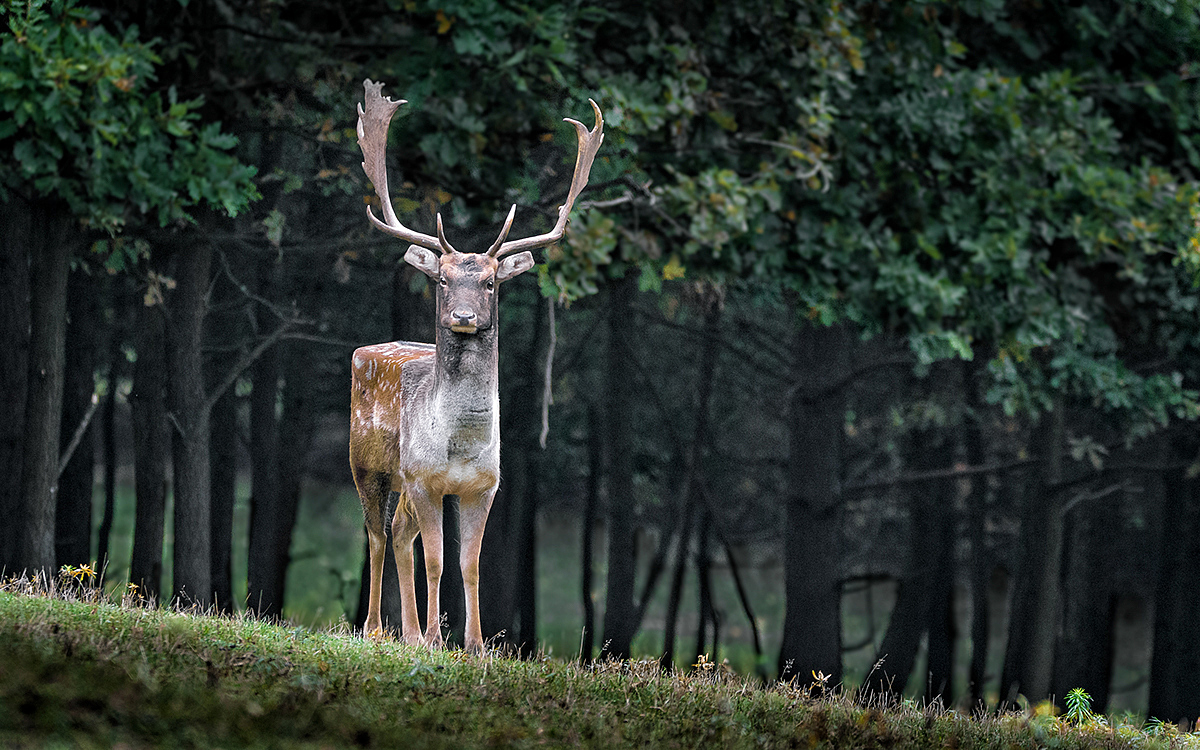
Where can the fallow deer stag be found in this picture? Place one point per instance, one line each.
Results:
(425, 419)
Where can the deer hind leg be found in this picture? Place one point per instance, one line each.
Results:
(472, 519)
(372, 491)
(404, 530)
(429, 514)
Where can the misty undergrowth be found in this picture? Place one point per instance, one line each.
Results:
(79, 667)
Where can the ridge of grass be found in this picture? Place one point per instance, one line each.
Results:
(79, 670)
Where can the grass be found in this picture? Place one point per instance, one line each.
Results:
(79, 670)
(327, 549)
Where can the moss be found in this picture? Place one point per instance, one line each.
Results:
(87, 672)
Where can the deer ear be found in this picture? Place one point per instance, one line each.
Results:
(514, 265)
(423, 260)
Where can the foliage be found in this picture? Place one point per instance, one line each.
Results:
(84, 124)
(89, 670)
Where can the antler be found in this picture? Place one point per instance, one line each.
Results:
(373, 125)
(589, 144)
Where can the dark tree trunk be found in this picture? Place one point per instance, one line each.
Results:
(151, 443)
(1084, 656)
(676, 591)
(619, 608)
(223, 453)
(497, 609)
(1035, 615)
(921, 599)
(812, 625)
(1175, 664)
(980, 565)
(108, 437)
(526, 408)
(707, 612)
(15, 239)
(190, 417)
(73, 516)
(118, 330)
(225, 326)
(264, 592)
(691, 502)
(591, 501)
(296, 426)
(941, 625)
(49, 267)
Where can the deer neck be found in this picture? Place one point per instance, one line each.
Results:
(467, 389)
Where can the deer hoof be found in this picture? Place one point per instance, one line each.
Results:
(414, 640)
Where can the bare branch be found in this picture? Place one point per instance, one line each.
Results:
(247, 360)
(547, 393)
(65, 458)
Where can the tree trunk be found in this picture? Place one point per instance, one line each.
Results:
(591, 502)
(667, 660)
(919, 600)
(707, 612)
(49, 267)
(226, 336)
(296, 426)
(812, 625)
(941, 625)
(1035, 618)
(264, 592)
(73, 516)
(151, 444)
(619, 608)
(15, 245)
(691, 501)
(117, 332)
(190, 416)
(1175, 663)
(108, 435)
(1084, 657)
(980, 565)
(223, 454)
(520, 434)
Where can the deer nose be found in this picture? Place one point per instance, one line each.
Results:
(463, 317)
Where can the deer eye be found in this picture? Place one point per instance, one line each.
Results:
(442, 281)
(491, 284)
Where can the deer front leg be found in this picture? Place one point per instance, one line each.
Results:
(472, 519)
(429, 514)
(404, 530)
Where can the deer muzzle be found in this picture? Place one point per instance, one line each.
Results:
(463, 321)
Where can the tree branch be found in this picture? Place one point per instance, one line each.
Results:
(77, 438)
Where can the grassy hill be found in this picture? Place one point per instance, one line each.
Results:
(79, 671)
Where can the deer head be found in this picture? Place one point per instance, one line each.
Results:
(466, 282)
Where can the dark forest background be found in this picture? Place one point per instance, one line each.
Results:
(874, 335)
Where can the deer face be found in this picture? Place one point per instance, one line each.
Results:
(466, 284)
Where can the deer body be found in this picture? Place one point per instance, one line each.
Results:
(425, 419)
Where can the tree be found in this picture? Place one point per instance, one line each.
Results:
(89, 144)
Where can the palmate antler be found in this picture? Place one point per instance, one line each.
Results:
(373, 122)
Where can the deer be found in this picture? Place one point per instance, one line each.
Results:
(425, 418)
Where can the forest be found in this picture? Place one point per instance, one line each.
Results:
(870, 355)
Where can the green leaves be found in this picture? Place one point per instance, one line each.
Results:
(84, 126)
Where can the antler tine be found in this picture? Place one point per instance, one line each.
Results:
(445, 244)
(373, 125)
(512, 212)
(589, 144)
